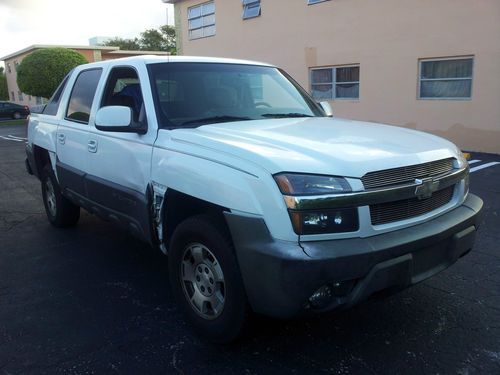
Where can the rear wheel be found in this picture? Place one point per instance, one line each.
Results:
(16, 115)
(60, 211)
(205, 279)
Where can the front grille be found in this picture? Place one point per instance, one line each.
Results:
(406, 174)
(384, 213)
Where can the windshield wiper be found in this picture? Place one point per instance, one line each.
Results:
(285, 115)
(215, 119)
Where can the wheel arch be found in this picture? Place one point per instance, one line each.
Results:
(177, 207)
(42, 158)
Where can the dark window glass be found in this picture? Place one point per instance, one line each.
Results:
(321, 76)
(335, 83)
(348, 74)
(123, 89)
(447, 69)
(446, 79)
(195, 94)
(251, 9)
(82, 95)
(53, 104)
(446, 89)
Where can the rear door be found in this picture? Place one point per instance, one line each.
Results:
(73, 134)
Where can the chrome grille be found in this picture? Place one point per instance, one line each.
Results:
(406, 174)
(384, 213)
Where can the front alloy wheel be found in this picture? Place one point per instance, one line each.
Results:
(203, 281)
(205, 278)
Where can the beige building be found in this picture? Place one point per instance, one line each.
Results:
(431, 65)
(91, 53)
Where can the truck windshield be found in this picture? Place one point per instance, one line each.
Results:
(195, 94)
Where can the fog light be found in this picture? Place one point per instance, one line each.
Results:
(342, 288)
(321, 298)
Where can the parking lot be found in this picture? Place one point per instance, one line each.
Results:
(92, 299)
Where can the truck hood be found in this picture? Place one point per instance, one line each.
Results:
(317, 145)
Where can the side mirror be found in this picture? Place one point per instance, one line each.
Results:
(327, 108)
(117, 119)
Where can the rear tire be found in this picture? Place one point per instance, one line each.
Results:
(16, 116)
(205, 279)
(60, 211)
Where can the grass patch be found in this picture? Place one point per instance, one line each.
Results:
(14, 122)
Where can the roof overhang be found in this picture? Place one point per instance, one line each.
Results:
(41, 46)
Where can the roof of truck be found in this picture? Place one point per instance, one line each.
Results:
(151, 59)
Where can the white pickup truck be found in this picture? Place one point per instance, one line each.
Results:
(262, 201)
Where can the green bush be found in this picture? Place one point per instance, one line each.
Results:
(40, 73)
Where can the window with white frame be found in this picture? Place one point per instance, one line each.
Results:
(9, 68)
(251, 9)
(446, 78)
(201, 20)
(340, 82)
(20, 96)
(12, 96)
(310, 2)
(16, 65)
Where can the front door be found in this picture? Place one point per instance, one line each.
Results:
(119, 166)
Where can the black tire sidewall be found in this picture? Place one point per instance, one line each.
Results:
(67, 214)
(228, 325)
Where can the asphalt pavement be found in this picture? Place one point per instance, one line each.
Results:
(93, 300)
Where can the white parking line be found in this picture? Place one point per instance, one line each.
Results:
(11, 139)
(479, 167)
(474, 161)
(15, 137)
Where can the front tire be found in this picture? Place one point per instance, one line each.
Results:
(60, 211)
(205, 279)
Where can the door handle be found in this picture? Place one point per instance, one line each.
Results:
(61, 138)
(92, 146)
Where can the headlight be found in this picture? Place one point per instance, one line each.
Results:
(306, 184)
(318, 221)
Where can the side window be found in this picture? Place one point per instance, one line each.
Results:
(82, 96)
(124, 89)
(53, 104)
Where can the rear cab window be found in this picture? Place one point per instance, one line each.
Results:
(82, 96)
(53, 105)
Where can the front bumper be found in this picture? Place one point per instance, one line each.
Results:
(281, 276)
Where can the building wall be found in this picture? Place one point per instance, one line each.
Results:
(386, 38)
(12, 83)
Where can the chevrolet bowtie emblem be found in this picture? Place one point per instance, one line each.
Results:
(425, 187)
